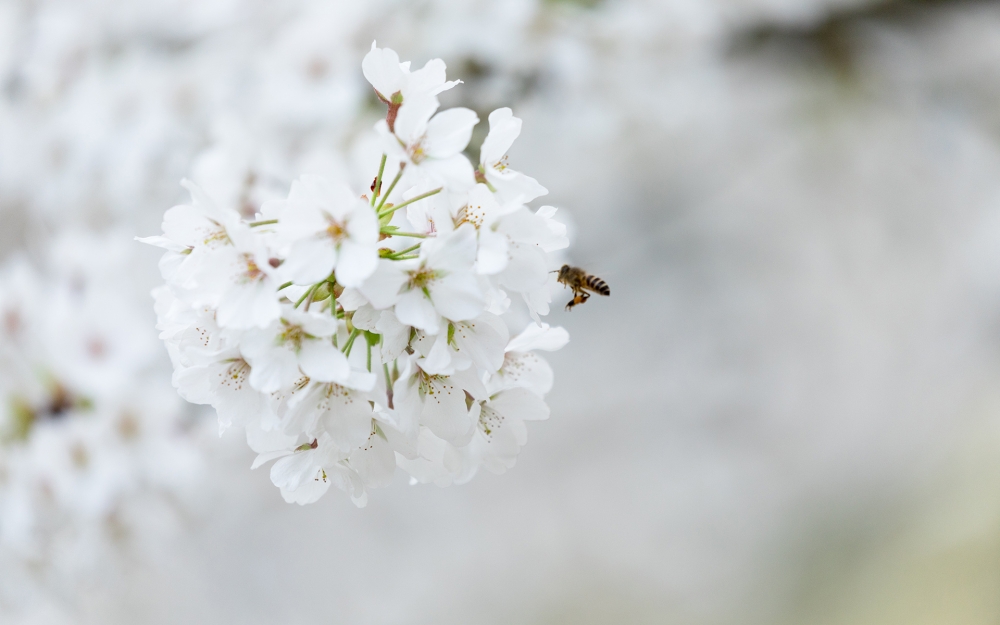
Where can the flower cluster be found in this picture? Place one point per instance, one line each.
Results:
(353, 331)
(88, 426)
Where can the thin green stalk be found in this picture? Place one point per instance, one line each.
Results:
(350, 341)
(285, 285)
(308, 292)
(392, 186)
(402, 252)
(393, 209)
(369, 356)
(415, 235)
(263, 222)
(378, 180)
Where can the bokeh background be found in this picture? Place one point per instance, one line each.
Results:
(788, 411)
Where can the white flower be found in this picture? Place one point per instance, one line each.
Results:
(400, 354)
(239, 281)
(375, 461)
(190, 231)
(510, 185)
(479, 342)
(431, 147)
(484, 212)
(306, 472)
(439, 283)
(344, 414)
(395, 336)
(299, 343)
(395, 83)
(500, 431)
(522, 368)
(324, 226)
(443, 403)
(223, 382)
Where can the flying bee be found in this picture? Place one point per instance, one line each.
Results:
(581, 282)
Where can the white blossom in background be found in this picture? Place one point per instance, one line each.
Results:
(350, 337)
(88, 426)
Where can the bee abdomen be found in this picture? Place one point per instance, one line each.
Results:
(598, 285)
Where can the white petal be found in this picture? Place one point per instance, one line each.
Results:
(513, 186)
(362, 224)
(483, 340)
(253, 305)
(449, 132)
(520, 403)
(414, 309)
(351, 299)
(381, 68)
(348, 420)
(308, 492)
(536, 336)
(375, 462)
(454, 172)
(504, 129)
(446, 414)
(291, 471)
(413, 118)
(452, 252)
(323, 362)
(492, 255)
(383, 286)
(457, 296)
(309, 261)
(430, 79)
(438, 360)
(395, 335)
(526, 268)
(357, 262)
(164, 242)
(365, 317)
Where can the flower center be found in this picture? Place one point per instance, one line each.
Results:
(422, 278)
(251, 272)
(336, 230)
(428, 386)
(217, 236)
(235, 375)
(417, 154)
(292, 335)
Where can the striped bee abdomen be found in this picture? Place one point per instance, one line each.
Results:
(597, 285)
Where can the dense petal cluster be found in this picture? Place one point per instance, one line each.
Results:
(88, 425)
(354, 331)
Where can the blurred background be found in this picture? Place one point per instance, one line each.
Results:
(788, 411)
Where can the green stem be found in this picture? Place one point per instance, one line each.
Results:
(415, 235)
(393, 209)
(350, 341)
(392, 186)
(394, 255)
(264, 222)
(285, 285)
(378, 180)
(308, 292)
(369, 356)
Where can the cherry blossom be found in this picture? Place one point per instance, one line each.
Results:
(351, 338)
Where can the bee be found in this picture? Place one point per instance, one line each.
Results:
(581, 282)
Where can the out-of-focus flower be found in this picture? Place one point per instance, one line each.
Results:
(87, 423)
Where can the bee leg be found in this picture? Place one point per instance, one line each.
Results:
(579, 298)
